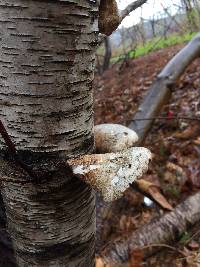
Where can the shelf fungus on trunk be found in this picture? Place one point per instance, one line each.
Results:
(113, 138)
(112, 173)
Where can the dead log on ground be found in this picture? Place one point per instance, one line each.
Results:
(164, 230)
(161, 89)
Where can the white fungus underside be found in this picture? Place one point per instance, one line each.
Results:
(112, 173)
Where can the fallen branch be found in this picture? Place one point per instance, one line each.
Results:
(164, 230)
(160, 91)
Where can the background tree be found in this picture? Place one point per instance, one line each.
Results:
(188, 6)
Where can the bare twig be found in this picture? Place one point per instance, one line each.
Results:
(13, 151)
(167, 118)
(7, 139)
(131, 7)
(164, 246)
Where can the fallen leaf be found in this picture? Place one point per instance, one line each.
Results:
(191, 132)
(136, 258)
(175, 174)
(153, 178)
(155, 193)
(197, 141)
(159, 198)
(99, 263)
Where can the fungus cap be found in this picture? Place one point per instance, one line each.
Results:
(113, 138)
(112, 173)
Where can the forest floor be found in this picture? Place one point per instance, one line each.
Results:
(173, 140)
(175, 144)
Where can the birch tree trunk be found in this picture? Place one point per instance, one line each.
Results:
(47, 54)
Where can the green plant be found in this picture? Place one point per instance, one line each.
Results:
(155, 44)
(184, 238)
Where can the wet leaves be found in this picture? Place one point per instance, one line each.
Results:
(136, 258)
(189, 133)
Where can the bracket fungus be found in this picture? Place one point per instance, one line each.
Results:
(113, 138)
(112, 173)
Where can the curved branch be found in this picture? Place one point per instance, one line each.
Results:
(130, 8)
(161, 89)
(177, 65)
(110, 17)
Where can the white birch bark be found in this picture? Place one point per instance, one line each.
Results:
(47, 54)
(46, 66)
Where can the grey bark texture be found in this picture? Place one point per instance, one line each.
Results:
(47, 54)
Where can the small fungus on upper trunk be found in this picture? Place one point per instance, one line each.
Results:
(109, 18)
(112, 173)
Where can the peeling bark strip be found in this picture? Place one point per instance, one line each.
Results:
(47, 61)
(47, 54)
(162, 231)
